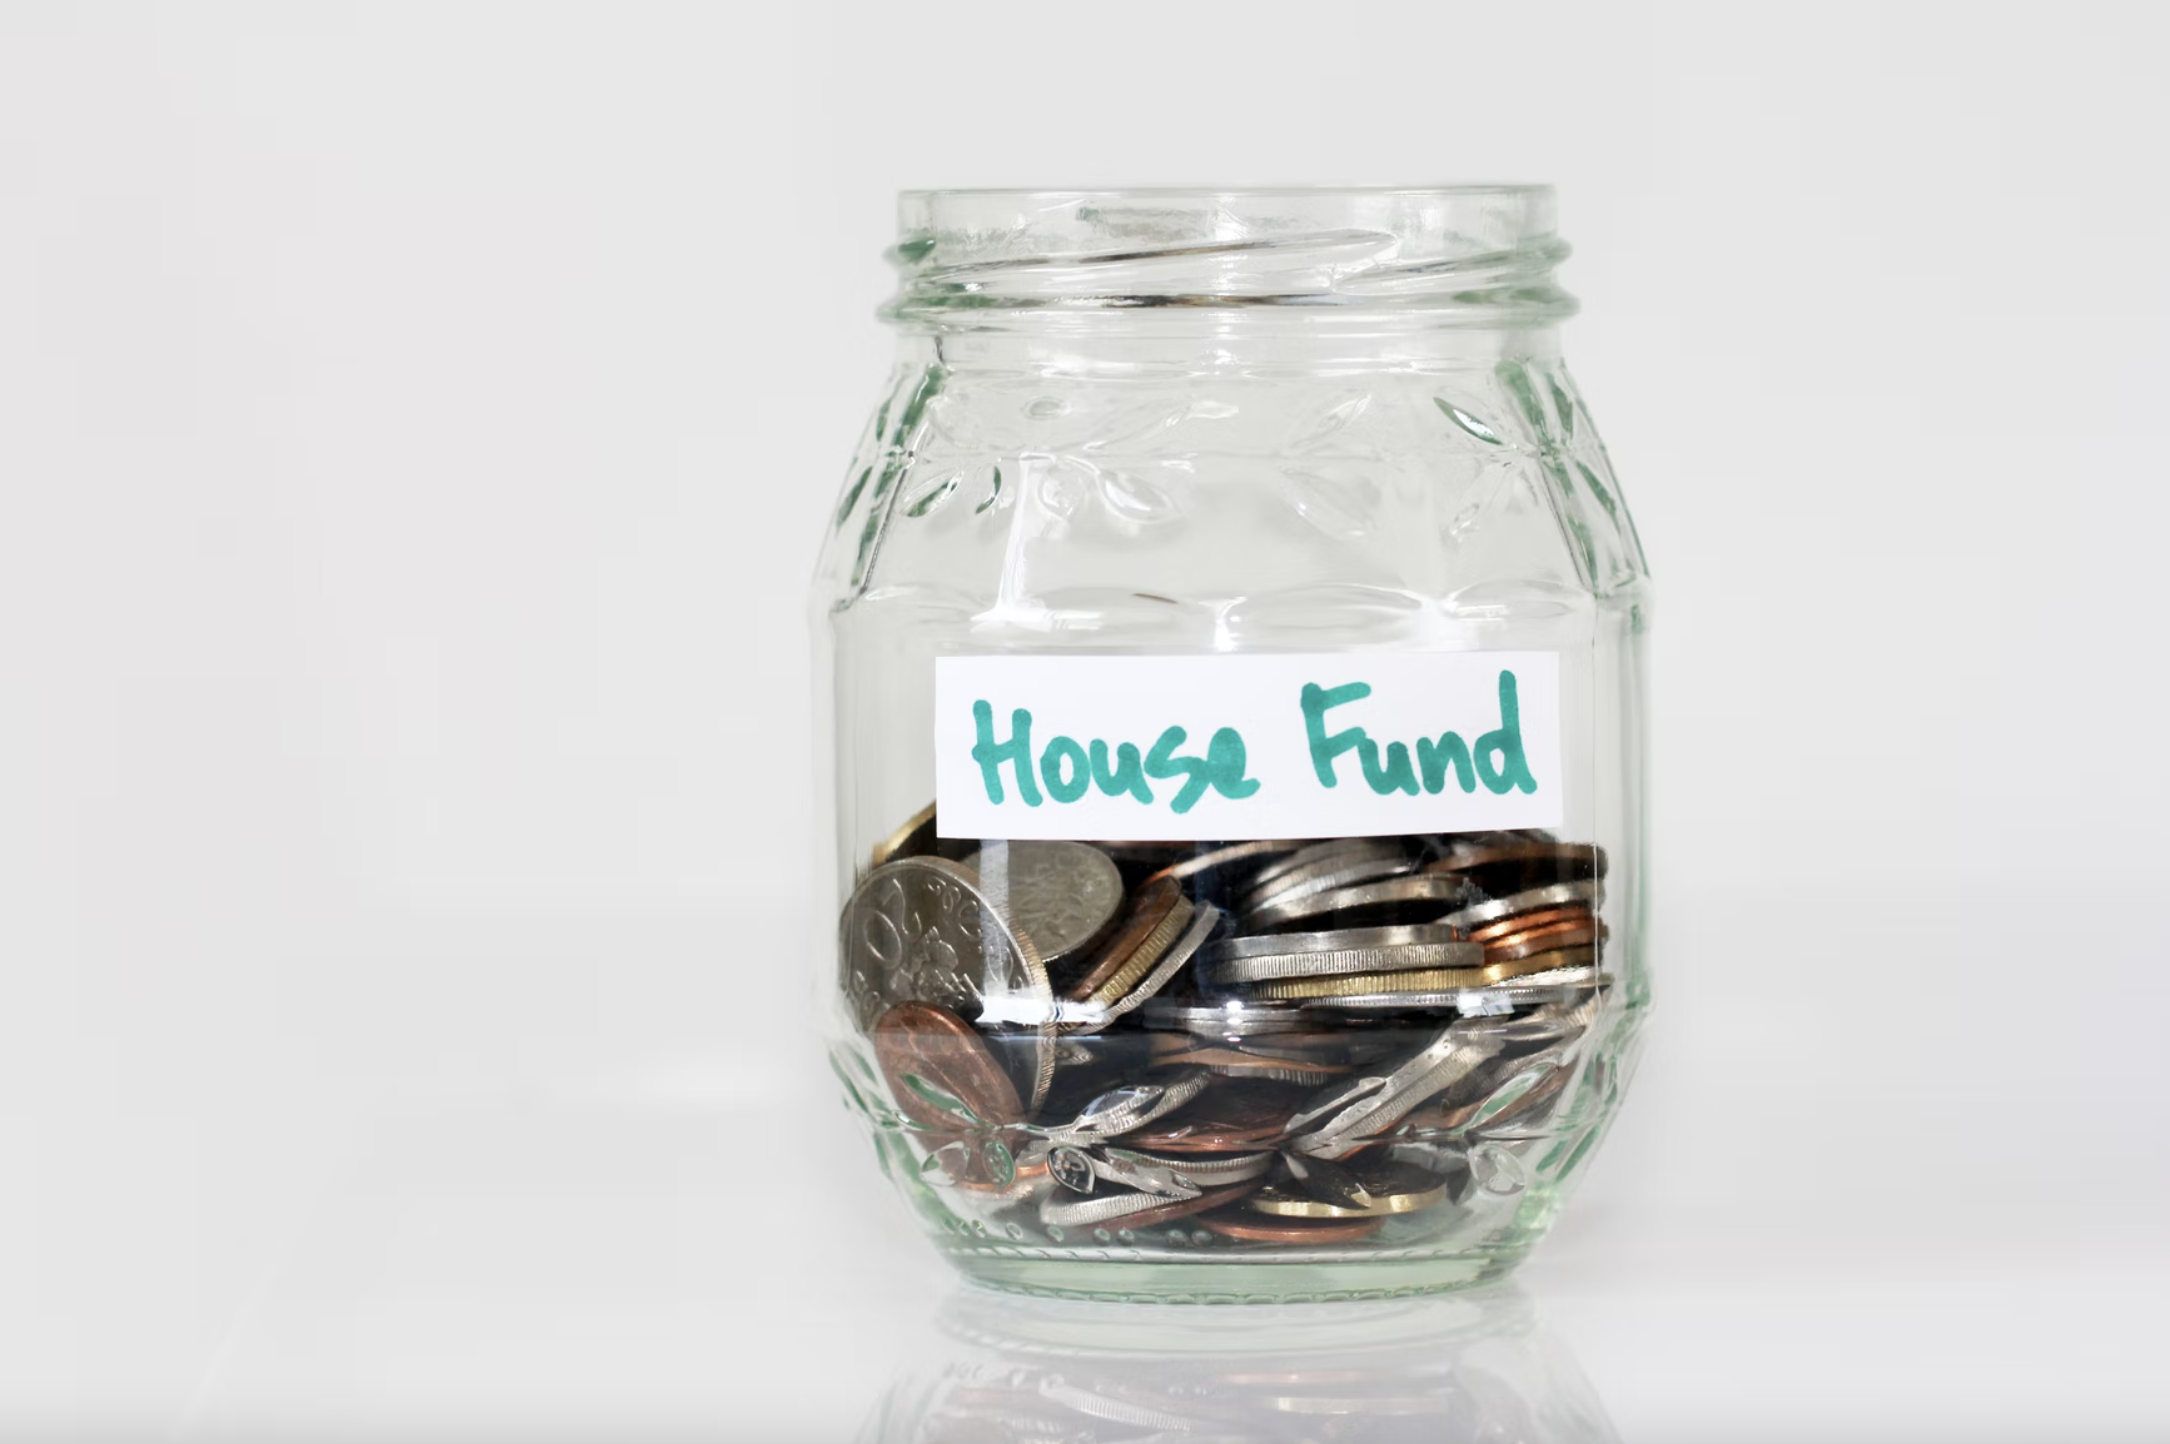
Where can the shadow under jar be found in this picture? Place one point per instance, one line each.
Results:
(1230, 640)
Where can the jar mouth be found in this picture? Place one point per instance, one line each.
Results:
(1468, 254)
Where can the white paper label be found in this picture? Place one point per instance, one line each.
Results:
(1345, 744)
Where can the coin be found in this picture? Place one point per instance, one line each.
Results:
(914, 838)
(1157, 917)
(1428, 980)
(936, 1064)
(1390, 902)
(1339, 1120)
(1394, 1188)
(1235, 853)
(1221, 874)
(1226, 1118)
(1199, 1170)
(1548, 1025)
(1331, 1046)
(1133, 1210)
(1539, 1085)
(1522, 858)
(1347, 950)
(1589, 892)
(1124, 1168)
(1308, 853)
(919, 930)
(1294, 1231)
(1125, 1109)
(1474, 1002)
(1328, 865)
(1149, 853)
(1170, 1212)
(1233, 1018)
(1235, 1063)
(1544, 941)
(1148, 959)
(1118, 1000)
(1063, 895)
(1531, 921)
(1324, 1180)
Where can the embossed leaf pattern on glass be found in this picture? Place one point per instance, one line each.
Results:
(943, 1099)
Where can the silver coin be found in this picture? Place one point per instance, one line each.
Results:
(1265, 1072)
(1419, 893)
(1057, 1212)
(1330, 865)
(1502, 1089)
(1307, 854)
(1553, 1023)
(1072, 1167)
(1198, 1171)
(1342, 1118)
(1135, 1170)
(1232, 1019)
(920, 930)
(1064, 895)
(1126, 1110)
(1346, 950)
(1560, 894)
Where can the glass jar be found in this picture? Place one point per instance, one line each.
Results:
(1230, 636)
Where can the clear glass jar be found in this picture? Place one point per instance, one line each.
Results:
(1243, 575)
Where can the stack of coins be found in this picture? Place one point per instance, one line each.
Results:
(1273, 1044)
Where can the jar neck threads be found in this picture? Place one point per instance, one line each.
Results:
(1166, 263)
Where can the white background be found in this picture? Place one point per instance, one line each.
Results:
(415, 426)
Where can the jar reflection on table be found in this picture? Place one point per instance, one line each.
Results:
(1474, 1366)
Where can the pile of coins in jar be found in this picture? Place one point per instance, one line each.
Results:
(1280, 1043)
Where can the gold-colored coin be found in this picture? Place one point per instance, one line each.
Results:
(1429, 980)
(1150, 952)
(1284, 1202)
(1236, 1063)
(1149, 930)
(916, 836)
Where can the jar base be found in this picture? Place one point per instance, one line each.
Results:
(1175, 1280)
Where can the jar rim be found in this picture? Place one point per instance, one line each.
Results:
(1446, 189)
(1483, 252)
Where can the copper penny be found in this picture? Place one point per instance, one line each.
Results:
(1152, 925)
(1525, 922)
(1255, 1228)
(1515, 946)
(943, 1051)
